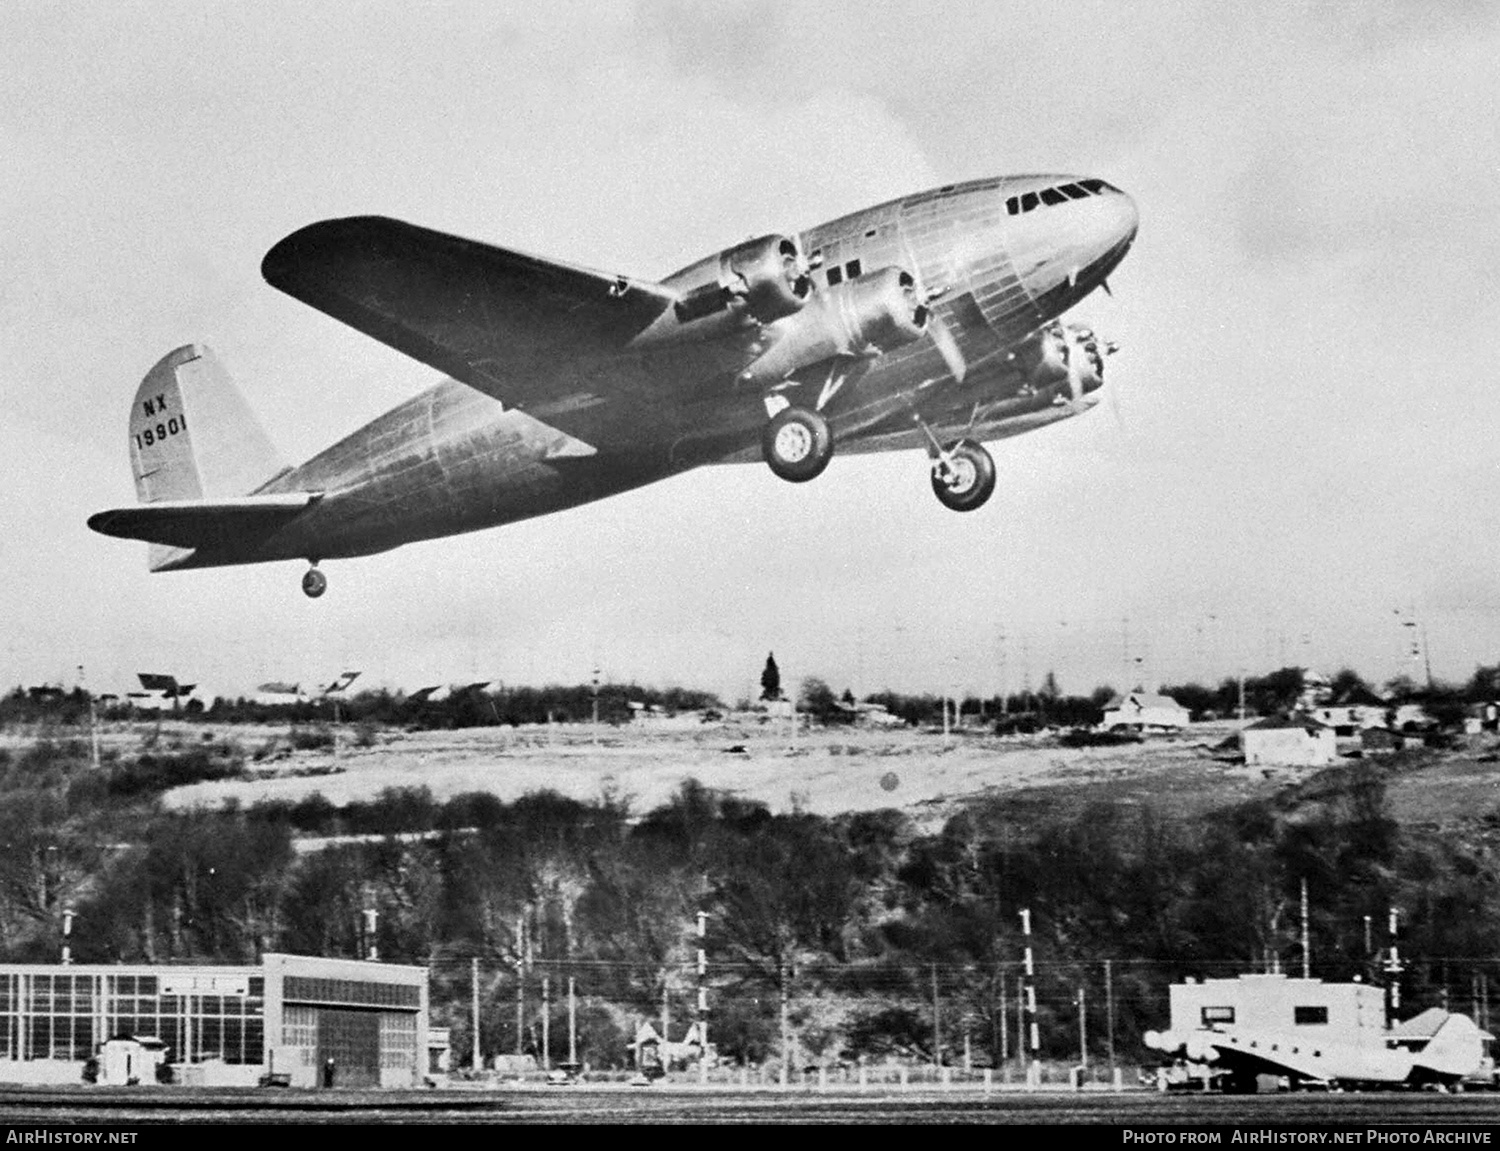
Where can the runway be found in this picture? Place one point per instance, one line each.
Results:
(616, 1104)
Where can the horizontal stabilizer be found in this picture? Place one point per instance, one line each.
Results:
(203, 523)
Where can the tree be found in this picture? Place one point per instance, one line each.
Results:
(817, 699)
(770, 679)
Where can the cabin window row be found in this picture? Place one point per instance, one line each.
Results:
(1061, 194)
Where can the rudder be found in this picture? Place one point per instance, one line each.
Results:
(192, 436)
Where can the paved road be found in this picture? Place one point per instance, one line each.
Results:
(615, 1104)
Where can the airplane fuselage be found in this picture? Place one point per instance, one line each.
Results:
(1002, 258)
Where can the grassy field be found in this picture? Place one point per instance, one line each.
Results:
(825, 772)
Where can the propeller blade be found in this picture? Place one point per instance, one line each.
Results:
(1075, 378)
(947, 346)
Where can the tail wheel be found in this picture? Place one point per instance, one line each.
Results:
(314, 583)
(797, 445)
(963, 477)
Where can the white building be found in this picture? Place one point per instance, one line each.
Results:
(1292, 742)
(299, 1018)
(1142, 709)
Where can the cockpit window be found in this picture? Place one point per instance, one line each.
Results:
(1061, 194)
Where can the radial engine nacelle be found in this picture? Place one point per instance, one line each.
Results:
(1059, 354)
(868, 316)
(754, 283)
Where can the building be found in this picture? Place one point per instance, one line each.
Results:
(1295, 741)
(296, 1017)
(1142, 709)
(1339, 1012)
(1356, 710)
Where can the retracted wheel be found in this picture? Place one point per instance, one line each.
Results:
(314, 583)
(963, 476)
(797, 444)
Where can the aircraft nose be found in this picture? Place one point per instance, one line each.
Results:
(1115, 225)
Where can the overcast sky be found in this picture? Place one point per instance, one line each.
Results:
(1307, 396)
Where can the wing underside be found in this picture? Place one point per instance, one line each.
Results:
(498, 320)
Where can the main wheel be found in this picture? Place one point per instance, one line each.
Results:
(963, 477)
(314, 583)
(797, 444)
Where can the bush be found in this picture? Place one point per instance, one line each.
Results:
(311, 738)
(153, 771)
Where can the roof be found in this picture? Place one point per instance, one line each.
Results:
(1286, 722)
(1357, 696)
(1144, 699)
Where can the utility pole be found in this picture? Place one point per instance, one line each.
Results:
(521, 984)
(1004, 1025)
(1393, 970)
(786, 1030)
(1034, 1071)
(572, 1025)
(1109, 1009)
(67, 932)
(1083, 1031)
(937, 1026)
(702, 1013)
(93, 719)
(1306, 937)
(596, 706)
(546, 1023)
(474, 999)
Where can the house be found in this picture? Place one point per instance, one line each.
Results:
(1296, 741)
(1352, 712)
(1479, 717)
(1141, 710)
(876, 715)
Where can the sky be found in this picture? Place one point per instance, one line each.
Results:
(1296, 462)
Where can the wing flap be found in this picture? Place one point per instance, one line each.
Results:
(199, 524)
(498, 320)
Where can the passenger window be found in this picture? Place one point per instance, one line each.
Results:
(1073, 191)
(1013, 205)
(852, 270)
(1053, 196)
(835, 275)
(1028, 201)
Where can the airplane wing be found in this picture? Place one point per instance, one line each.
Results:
(500, 321)
(202, 523)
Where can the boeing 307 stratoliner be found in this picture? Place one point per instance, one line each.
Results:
(929, 322)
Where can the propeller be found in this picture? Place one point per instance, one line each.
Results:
(1073, 354)
(947, 347)
(942, 336)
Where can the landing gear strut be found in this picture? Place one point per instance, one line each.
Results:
(797, 444)
(314, 582)
(963, 476)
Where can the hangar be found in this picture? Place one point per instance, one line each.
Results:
(301, 1019)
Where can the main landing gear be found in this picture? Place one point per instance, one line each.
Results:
(963, 476)
(797, 444)
(314, 582)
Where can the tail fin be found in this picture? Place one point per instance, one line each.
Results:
(1456, 1048)
(192, 436)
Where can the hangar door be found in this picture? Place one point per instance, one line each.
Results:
(351, 1038)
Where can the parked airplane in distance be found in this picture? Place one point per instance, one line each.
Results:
(928, 322)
